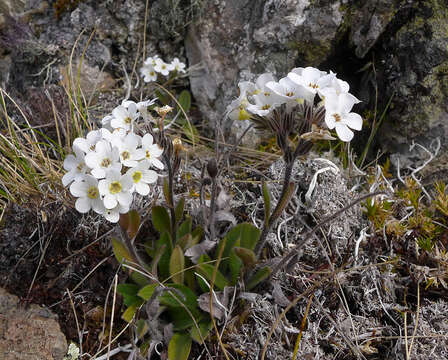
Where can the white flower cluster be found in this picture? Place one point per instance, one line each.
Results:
(301, 85)
(154, 65)
(112, 163)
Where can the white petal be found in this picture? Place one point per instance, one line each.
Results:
(147, 140)
(157, 163)
(98, 206)
(82, 144)
(68, 177)
(330, 120)
(124, 198)
(142, 188)
(353, 120)
(103, 186)
(83, 205)
(110, 201)
(70, 162)
(79, 188)
(98, 173)
(119, 112)
(112, 215)
(344, 133)
(149, 176)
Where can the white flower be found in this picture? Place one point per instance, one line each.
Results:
(236, 110)
(75, 165)
(338, 115)
(260, 83)
(141, 176)
(265, 102)
(116, 189)
(105, 157)
(88, 144)
(162, 67)
(152, 151)
(129, 154)
(312, 79)
(113, 215)
(87, 192)
(287, 89)
(124, 117)
(151, 60)
(105, 121)
(178, 65)
(148, 73)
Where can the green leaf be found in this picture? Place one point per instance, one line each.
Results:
(121, 251)
(177, 265)
(185, 100)
(128, 315)
(244, 235)
(179, 347)
(128, 300)
(163, 97)
(147, 291)
(179, 210)
(182, 320)
(164, 261)
(142, 328)
(189, 299)
(184, 228)
(184, 241)
(130, 222)
(235, 264)
(249, 236)
(248, 256)
(197, 235)
(140, 279)
(267, 202)
(206, 270)
(161, 219)
(259, 276)
(202, 333)
(127, 289)
(166, 192)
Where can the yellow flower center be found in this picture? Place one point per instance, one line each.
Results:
(289, 93)
(127, 120)
(148, 154)
(267, 94)
(337, 117)
(80, 166)
(137, 176)
(115, 187)
(265, 107)
(126, 155)
(93, 193)
(314, 86)
(105, 163)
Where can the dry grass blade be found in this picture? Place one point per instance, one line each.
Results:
(112, 316)
(302, 326)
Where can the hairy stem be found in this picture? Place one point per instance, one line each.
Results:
(281, 205)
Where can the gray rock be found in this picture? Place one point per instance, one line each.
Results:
(28, 333)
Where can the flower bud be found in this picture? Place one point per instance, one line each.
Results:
(212, 168)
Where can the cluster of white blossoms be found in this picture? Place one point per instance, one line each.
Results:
(112, 163)
(154, 65)
(299, 87)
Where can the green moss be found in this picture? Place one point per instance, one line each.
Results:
(311, 53)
